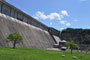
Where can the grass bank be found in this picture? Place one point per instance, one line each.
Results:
(7, 53)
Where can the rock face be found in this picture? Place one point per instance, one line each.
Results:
(33, 37)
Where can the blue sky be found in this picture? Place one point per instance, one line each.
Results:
(59, 14)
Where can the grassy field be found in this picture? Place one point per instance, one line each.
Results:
(7, 53)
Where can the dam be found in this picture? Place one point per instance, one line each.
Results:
(35, 34)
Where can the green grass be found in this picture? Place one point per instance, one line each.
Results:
(7, 53)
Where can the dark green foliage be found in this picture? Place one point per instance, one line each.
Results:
(54, 31)
(72, 45)
(15, 38)
(87, 49)
(80, 36)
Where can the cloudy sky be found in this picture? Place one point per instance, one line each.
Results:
(59, 14)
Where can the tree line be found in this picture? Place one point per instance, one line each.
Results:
(79, 36)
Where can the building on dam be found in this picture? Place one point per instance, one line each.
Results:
(12, 11)
(35, 34)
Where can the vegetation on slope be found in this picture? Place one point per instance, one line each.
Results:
(7, 53)
(80, 36)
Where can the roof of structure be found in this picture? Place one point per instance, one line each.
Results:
(18, 10)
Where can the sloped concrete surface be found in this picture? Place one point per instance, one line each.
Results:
(33, 37)
(57, 39)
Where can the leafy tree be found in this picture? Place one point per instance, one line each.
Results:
(15, 38)
(87, 48)
(72, 45)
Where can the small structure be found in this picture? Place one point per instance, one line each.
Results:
(62, 44)
(63, 48)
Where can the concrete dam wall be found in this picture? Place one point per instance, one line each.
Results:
(33, 37)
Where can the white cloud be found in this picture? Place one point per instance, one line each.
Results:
(62, 28)
(83, 0)
(41, 15)
(65, 23)
(68, 24)
(51, 23)
(64, 12)
(75, 20)
(62, 22)
(54, 16)
(51, 16)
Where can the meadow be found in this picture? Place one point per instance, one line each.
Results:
(8, 53)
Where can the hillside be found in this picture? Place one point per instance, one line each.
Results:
(80, 36)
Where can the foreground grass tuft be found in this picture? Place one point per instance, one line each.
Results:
(7, 53)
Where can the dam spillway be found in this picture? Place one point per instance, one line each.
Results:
(33, 37)
(35, 34)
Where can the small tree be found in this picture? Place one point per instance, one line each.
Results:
(15, 38)
(72, 45)
(87, 48)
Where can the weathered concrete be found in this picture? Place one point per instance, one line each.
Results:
(57, 39)
(33, 37)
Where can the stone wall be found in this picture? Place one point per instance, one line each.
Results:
(33, 37)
